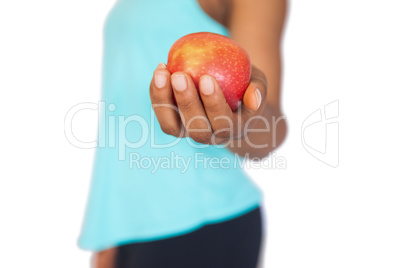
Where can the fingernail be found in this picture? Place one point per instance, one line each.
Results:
(207, 85)
(161, 66)
(258, 97)
(179, 82)
(160, 79)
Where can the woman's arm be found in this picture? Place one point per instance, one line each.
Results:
(257, 26)
(104, 259)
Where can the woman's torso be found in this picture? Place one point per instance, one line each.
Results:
(147, 185)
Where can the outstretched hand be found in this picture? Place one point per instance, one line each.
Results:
(204, 116)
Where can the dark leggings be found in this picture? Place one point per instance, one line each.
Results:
(234, 244)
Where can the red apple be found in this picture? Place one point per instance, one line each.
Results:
(216, 55)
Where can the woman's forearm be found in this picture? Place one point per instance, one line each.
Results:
(258, 27)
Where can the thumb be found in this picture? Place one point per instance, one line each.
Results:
(252, 98)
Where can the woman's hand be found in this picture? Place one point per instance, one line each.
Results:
(204, 116)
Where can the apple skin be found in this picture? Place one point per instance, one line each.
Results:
(219, 56)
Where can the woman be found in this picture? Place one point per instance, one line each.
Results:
(184, 214)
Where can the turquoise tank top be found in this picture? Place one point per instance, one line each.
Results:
(147, 185)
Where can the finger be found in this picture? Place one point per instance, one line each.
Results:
(252, 98)
(256, 92)
(163, 103)
(218, 111)
(192, 112)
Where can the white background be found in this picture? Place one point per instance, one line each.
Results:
(318, 216)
